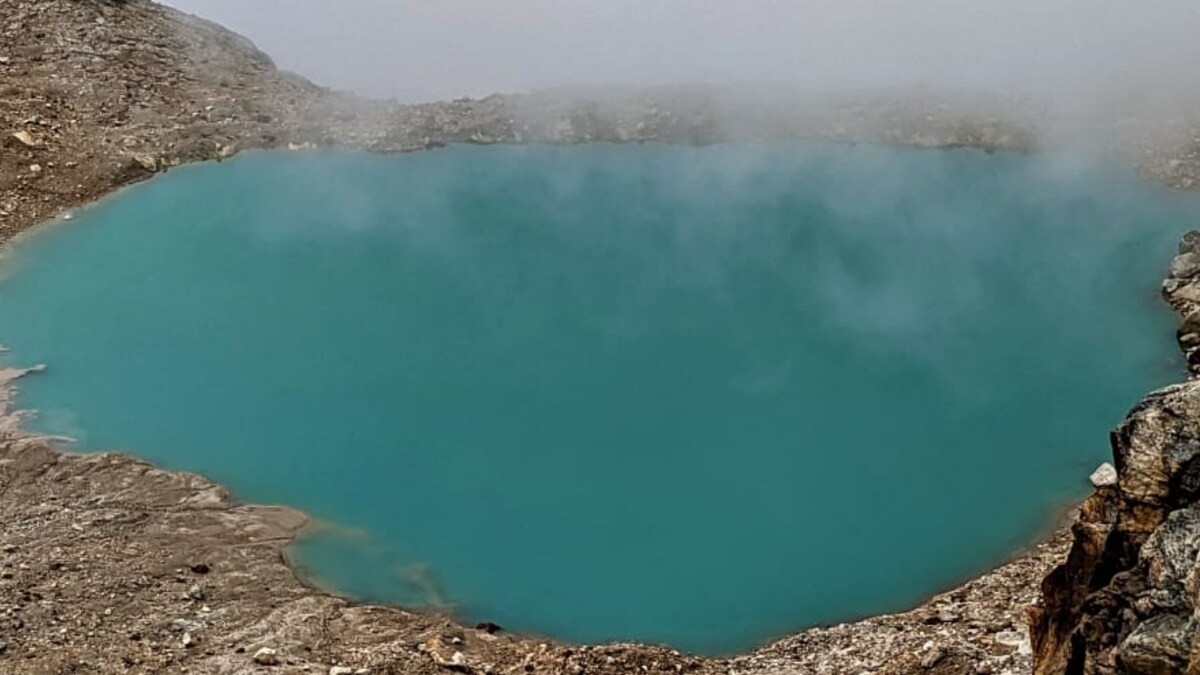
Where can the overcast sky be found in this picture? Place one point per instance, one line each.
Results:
(428, 49)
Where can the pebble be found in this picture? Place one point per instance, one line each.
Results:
(266, 657)
(341, 670)
(196, 592)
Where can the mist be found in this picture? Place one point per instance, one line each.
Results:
(1062, 50)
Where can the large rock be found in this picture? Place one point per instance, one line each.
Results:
(1125, 601)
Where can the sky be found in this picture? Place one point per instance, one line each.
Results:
(417, 50)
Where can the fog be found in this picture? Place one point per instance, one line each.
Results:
(434, 49)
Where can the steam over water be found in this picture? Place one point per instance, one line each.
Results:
(702, 396)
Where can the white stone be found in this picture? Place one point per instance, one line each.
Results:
(1016, 639)
(1104, 476)
(341, 670)
(24, 138)
(266, 657)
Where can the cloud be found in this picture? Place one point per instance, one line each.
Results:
(424, 49)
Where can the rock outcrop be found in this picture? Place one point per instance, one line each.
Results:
(1125, 600)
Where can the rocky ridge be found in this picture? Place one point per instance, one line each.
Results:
(110, 565)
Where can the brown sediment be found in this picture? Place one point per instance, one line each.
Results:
(110, 565)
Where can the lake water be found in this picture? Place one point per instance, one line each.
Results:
(701, 396)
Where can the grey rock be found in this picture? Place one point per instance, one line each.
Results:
(1190, 242)
(1161, 645)
(1185, 265)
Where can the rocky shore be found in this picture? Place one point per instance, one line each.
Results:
(1125, 599)
(109, 565)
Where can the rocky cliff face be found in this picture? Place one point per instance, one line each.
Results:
(1125, 601)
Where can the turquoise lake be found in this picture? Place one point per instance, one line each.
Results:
(699, 396)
